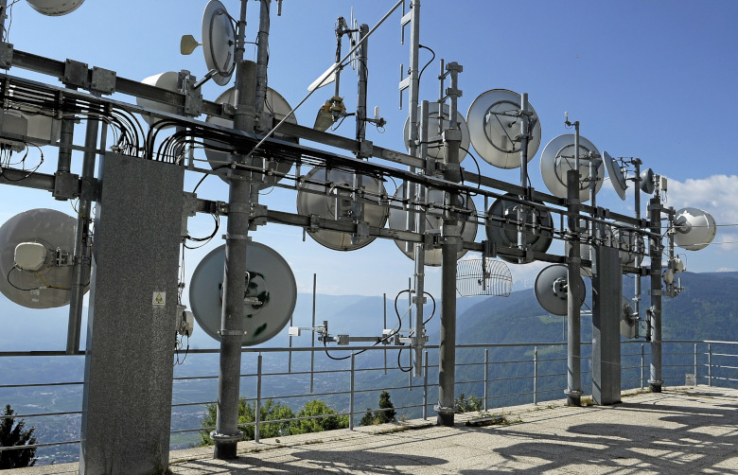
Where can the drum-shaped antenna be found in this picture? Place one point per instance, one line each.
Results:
(494, 126)
(616, 175)
(279, 108)
(502, 230)
(31, 126)
(168, 81)
(628, 324)
(328, 193)
(55, 7)
(36, 252)
(551, 289)
(483, 277)
(648, 184)
(404, 220)
(695, 229)
(557, 159)
(271, 293)
(218, 42)
(436, 126)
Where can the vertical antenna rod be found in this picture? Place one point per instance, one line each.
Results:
(262, 62)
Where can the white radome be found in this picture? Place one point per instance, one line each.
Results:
(695, 229)
(55, 7)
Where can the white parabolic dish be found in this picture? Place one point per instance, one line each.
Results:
(494, 125)
(557, 159)
(551, 289)
(327, 193)
(49, 286)
(55, 7)
(168, 81)
(435, 132)
(271, 293)
(278, 107)
(433, 220)
(218, 42)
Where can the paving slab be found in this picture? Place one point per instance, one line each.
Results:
(680, 431)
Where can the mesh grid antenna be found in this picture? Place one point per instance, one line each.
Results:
(483, 277)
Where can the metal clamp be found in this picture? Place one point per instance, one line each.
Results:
(75, 74)
(443, 409)
(237, 437)
(6, 55)
(103, 80)
(225, 332)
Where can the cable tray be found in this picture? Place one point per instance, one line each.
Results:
(483, 277)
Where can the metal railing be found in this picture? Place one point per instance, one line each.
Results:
(491, 373)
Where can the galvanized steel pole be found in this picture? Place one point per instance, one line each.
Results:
(227, 434)
(82, 258)
(573, 390)
(451, 235)
(262, 62)
(655, 248)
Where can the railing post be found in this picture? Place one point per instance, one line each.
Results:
(709, 364)
(535, 375)
(425, 389)
(257, 412)
(351, 397)
(486, 376)
(643, 364)
(696, 380)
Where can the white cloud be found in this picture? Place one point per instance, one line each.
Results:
(725, 269)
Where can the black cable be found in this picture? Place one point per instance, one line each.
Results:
(479, 170)
(7, 277)
(428, 63)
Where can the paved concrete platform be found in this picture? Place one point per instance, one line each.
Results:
(680, 431)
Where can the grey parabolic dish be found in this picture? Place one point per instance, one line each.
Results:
(272, 283)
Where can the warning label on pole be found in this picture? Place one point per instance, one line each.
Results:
(159, 299)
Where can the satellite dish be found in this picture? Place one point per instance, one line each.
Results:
(166, 81)
(270, 297)
(551, 289)
(628, 324)
(36, 252)
(695, 229)
(55, 7)
(278, 107)
(494, 126)
(433, 221)
(435, 131)
(218, 42)
(648, 184)
(616, 175)
(505, 234)
(557, 159)
(324, 193)
(630, 243)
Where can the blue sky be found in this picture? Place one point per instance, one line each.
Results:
(654, 80)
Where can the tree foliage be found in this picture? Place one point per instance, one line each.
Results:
(387, 411)
(275, 411)
(462, 404)
(13, 434)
